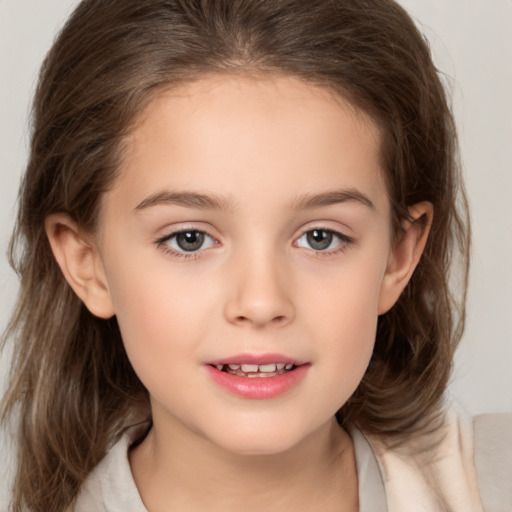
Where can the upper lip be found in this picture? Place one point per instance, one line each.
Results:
(258, 359)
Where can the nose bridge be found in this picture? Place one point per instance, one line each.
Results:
(260, 291)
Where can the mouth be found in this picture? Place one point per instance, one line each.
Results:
(252, 371)
(258, 376)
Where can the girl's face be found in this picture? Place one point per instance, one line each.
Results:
(250, 225)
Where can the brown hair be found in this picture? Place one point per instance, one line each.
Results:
(70, 376)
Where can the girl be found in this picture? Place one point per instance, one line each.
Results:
(234, 239)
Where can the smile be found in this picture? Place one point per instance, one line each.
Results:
(256, 370)
(257, 377)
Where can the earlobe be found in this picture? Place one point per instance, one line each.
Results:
(405, 254)
(80, 264)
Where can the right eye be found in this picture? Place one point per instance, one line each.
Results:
(190, 240)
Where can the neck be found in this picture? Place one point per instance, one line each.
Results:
(184, 471)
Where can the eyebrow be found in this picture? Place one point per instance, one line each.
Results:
(334, 197)
(187, 200)
(214, 202)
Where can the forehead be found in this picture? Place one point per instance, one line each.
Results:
(226, 134)
(278, 99)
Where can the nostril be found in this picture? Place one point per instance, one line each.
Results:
(249, 311)
(275, 320)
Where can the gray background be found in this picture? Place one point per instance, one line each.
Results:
(472, 44)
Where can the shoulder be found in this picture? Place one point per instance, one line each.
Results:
(492, 435)
(110, 487)
(454, 467)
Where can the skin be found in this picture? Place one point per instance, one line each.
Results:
(262, 148)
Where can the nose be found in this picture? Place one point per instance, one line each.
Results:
(260, 293)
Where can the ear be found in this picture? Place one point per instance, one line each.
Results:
(80, 262)
(405, 254)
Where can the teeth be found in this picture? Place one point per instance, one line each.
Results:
(246, 368)
(255, 370)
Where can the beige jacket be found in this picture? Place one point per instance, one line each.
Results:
(468, 469)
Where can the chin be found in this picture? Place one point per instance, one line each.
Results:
(257, 439)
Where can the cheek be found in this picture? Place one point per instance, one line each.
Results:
(346, 298)
(344, 316)
(161, 314)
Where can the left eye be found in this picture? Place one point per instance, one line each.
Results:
(189, 241)
(320, 239)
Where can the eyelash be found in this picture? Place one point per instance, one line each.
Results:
(344, 241)
(162, 243)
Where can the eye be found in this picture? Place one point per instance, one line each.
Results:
(321, 240)
(190, 240)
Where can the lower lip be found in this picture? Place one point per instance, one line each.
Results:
(258, 388)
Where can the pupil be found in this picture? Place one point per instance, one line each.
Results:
(190, 240)
(319, 239)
